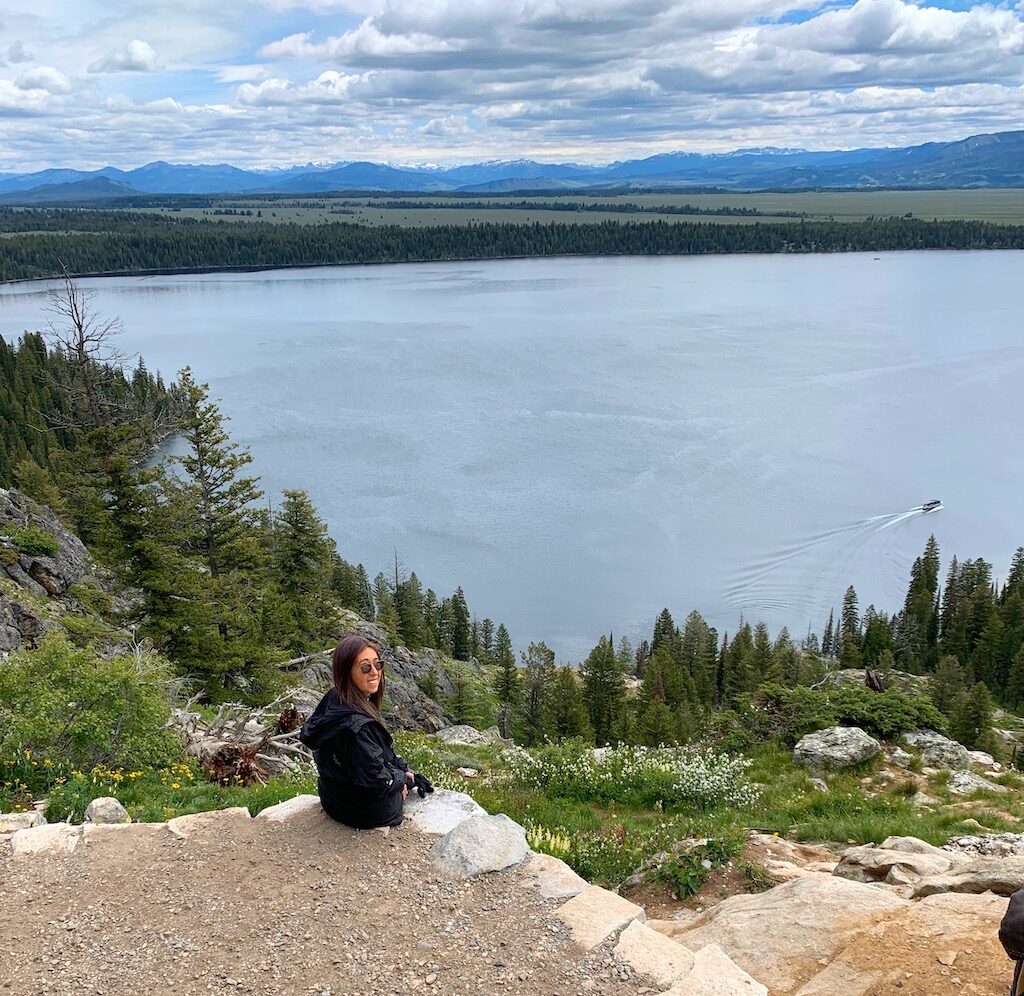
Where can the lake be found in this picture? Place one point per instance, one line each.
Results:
(579, 442)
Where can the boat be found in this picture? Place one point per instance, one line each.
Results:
(930, 506)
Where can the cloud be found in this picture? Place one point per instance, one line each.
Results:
(136, 57)
(43, 78)
(450, 126)
(17, 53)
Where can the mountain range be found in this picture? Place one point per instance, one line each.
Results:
(993, 160)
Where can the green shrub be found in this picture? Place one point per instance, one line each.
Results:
(787, 714)
(64, 709)
(35, 542)
(688, 869)
(92, 597)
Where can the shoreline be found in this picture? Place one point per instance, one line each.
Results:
(171, 271)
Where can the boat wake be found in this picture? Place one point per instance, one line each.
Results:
(793, 578)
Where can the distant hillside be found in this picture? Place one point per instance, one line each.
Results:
(98, 188)
(995, 160)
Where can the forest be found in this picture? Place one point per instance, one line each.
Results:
(45, 242)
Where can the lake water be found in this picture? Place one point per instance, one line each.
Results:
(580, 442)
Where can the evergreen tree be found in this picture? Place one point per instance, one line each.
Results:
(462, 704)
(604, 687)
(828, 646)
(658, 725)
(460, 635)
(487, 641)
(364, 597)
(506, 680)
(972, 724)
(387, 614)
(568, 713)
(664, 630)
(302, 563)
(538, 681)
(409, 609)
(946, 685)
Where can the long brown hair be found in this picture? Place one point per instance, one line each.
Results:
(345, 654)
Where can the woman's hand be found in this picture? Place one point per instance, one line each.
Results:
(405, 791)
(410, 777)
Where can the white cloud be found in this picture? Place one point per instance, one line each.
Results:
(449, 126)
(135, 57)
(43, 78)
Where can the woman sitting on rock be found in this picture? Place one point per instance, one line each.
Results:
(363, 782)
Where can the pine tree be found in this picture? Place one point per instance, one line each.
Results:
(506, 680)
(604, 687)
(664, 630)
(364, 600)
(487, 641)
(387, 614)
(946, 684)
(568, 715)
(461, 634)
(302, 563)
(828, 647)
(409, 607)
(538, 682)
(658, 725)
(462, 704)
(972, 724)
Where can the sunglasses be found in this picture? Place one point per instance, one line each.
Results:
(368, 666)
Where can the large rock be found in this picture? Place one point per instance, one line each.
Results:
(553, 878)
(898, 860)
(467, 736)
(780, 936)
(106, 809)
(299, 808)
(11, 822)
(714, 973)
(836, 747)
(595, 914)
(481, 844)
(51, 838)
(967, 783)
(42, 575)
(654, 955)
(937, 750)
(441, 811)
(1003, 876)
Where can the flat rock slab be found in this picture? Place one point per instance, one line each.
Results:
(441, 811)
(714, 973)
(11, 822)
(780, 936)
(595, 914)
(292, 809)
(1003, 876)
(121, 834)
(654, 955)
(217, 821)
(553, 878)
(875, 864)
(51, 838)
(938, 750)
(481, 844)
(967, 783)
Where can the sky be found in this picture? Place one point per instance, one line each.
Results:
(271, 83)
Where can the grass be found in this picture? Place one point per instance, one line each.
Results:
(1003, 206)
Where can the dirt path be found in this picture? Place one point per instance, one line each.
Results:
(304, 907)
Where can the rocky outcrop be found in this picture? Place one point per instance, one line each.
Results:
(12, 822)
(937, 750)
(783, 936)
(21, 625)
(898, 861)
(441, 811)
(836, 747)
(596, 914)
(1003, 876)
(42, 575)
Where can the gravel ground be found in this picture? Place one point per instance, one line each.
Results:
(307, 907)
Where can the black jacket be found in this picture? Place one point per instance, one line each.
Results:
(361, 776)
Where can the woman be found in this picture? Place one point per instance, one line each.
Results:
(363, 782)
